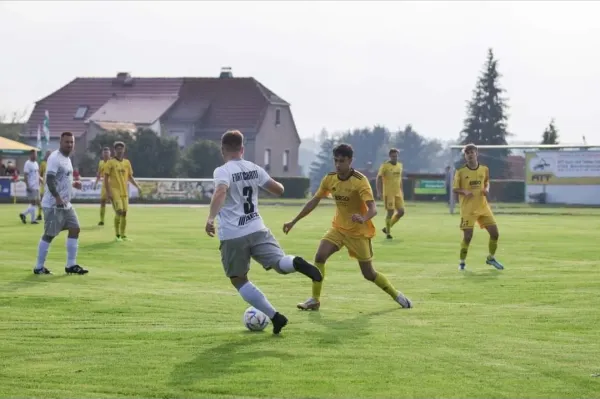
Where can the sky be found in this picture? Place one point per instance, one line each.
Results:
(341, 64)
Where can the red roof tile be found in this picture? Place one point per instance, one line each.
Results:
(216, 104)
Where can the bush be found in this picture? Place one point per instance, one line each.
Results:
(295, 187)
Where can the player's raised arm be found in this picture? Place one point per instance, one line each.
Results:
(456, 186)
(269, 184)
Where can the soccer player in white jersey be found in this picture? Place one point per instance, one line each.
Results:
(31, 171)
(242, 232)
(58, 211)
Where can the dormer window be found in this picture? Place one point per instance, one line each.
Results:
(81, 111)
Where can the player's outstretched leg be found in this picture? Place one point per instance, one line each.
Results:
(464, 248)
(326, 249)
(254, 296)
(290, 264)
(369, 273)
(397, 216)
(493, 246)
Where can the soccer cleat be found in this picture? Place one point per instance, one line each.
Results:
(462, 266)
(309, 304)
(492, 261)
(43, 270)
(388, 236)
(125, 238)
(75, 269)
(403, 301)
(279, 321)
(118, 239)
(23, 218)
(307, 269)
(39, 217)
(34, 222)
(100, 223)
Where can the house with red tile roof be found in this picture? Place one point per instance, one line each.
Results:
(185, 108)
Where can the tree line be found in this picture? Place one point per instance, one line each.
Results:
(155, 156)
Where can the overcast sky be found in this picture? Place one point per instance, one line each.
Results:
(340, 64)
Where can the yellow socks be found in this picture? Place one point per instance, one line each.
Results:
(395, 219)
(123, 225)
(464, 249)
(388, 225)
(493, 246)
(102, 212)
(117, 225)
(317, 286)
(382, 282)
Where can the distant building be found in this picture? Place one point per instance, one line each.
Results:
(184, 108)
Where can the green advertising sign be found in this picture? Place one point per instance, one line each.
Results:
(430, 187)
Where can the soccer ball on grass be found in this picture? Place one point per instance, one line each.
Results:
(255, 320)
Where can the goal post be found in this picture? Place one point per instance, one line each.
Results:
(537, 173)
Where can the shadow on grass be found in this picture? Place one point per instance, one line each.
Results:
(97, 246)
(238, 354)
(33, 279)
(488, 274)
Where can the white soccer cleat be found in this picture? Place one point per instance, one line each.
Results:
(309, 304)
(403, 301)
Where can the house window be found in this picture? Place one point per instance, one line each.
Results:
(267, 159)
(81, 111)
(277, 117)
(286, 160)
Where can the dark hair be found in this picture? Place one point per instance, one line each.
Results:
(67, 134)
(393, 150)
(106, 149)
(343, 150)
(232, 140)
(469, 146)
(119, 144)
(32, 151)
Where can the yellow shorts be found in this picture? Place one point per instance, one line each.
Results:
(393, 202)
(485, 220)
(358, 247)
(120, 203)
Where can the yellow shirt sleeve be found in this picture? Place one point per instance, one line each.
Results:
(381, 171)
(364, 190)
(324, 189)
(456, 183)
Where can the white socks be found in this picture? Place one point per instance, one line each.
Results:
(72, 244)
(42, 253)
(286, 264)
(251, 294)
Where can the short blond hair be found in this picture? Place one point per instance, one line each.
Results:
(232, 140)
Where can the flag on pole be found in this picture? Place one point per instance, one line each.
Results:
(46, 129)
(39, 143)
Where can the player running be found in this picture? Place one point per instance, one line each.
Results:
(389, 187)
(352, 226)
(99, 175)
(117, 173)
(242, 232)
(31, 170)
(472, 184)
(58, 211)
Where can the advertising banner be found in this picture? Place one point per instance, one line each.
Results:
(5, 190)
(562, 168)
(430, 187)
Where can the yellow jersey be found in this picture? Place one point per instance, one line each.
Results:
(101, 166)
(392, 178)
(350, 197)
(43, 166)
(119, 173)
(473, 180)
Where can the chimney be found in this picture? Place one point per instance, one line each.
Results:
(123, 78)
(226, 73)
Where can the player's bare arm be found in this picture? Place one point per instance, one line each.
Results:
(135, 183)
(51, 178)
(27, 188)
(308, 208)
(379, 186)
(274, 187)
(107, 186)
(97, 179)
(216, 203)
(371, 213)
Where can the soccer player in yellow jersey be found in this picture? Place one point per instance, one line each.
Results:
(352, 226)
(389, 187)
(117, 173)
(472, 184)
(43, 167)
(99, 175)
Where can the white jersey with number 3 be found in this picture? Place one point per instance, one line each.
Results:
(239, 215)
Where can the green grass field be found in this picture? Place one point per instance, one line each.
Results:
(156, 318)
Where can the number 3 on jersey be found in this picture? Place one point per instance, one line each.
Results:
(248, 205)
